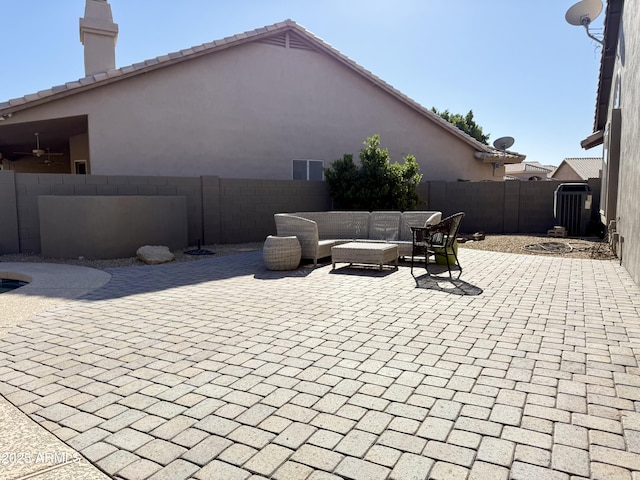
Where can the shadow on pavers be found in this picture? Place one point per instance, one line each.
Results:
(301, 271)
(442, 283)
(129, 281)
(364, 270)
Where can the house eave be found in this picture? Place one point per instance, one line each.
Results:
(507, 158)
(613, 17)
(593, 140)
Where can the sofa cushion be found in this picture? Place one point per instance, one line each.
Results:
(384, 226)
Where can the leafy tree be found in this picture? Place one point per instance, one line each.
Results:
(375, 184)
(464, 123)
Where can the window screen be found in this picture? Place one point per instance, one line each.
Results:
(315, 170)
(308, 170)
(300, 170)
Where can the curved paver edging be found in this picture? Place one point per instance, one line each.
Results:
(49, 285)
(38, 452)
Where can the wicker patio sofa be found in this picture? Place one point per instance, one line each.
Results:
(317, 232)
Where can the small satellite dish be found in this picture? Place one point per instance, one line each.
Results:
(584, 12)
(503, 143)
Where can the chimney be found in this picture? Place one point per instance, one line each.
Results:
(98, 34)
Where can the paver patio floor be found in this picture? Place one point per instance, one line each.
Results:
(221, 369)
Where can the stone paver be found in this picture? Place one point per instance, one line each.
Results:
(527, 368)
(411, 466)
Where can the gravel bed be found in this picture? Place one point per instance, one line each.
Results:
(591, 247)
(583, 247)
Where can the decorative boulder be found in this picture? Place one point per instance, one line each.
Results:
(152, 254)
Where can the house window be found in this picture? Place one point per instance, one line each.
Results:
(80, 167)
(308, 170)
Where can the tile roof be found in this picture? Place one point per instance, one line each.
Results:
(312, 41)
(588, 167)
(528, 167)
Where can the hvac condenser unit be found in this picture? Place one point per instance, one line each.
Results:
(572, 207)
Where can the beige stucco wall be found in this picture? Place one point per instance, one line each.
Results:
(627, 71)
(566, 174)
(246, 112)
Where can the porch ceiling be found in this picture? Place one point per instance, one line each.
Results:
(53, 133)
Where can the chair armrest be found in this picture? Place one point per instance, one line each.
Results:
(306, 231)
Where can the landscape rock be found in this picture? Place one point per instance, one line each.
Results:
(155, 254)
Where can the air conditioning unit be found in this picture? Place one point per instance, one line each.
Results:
(572, 207)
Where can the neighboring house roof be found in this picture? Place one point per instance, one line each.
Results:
(526, 167)
(612, 19)
(528, 171)
(277, 33)
(585, 168)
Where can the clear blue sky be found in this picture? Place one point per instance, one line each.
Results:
(517, 64)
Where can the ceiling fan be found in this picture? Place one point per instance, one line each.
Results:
(38, 152)
(47, 161)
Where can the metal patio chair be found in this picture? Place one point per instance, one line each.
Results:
(437, 240)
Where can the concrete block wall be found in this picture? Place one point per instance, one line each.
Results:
(29, 186)
(110, 226)
(9, 234)
(247, 206)
(536, 207)
(482, 202)
(500, 207)
(511, 216)
(223, 210)
(211, 218)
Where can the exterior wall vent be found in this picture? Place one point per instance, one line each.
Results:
(288, 40)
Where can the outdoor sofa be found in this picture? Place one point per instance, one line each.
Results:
(317, 232)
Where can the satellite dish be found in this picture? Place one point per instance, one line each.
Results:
(503, 143)
(584, 12)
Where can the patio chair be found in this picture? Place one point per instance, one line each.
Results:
(437, 240)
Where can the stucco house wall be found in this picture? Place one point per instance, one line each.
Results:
(626, 95)
(245, 106)
(247, 112)
(616, 126)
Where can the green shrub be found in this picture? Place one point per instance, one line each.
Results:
(377, 184)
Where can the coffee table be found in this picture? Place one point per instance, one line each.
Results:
(372, 253)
